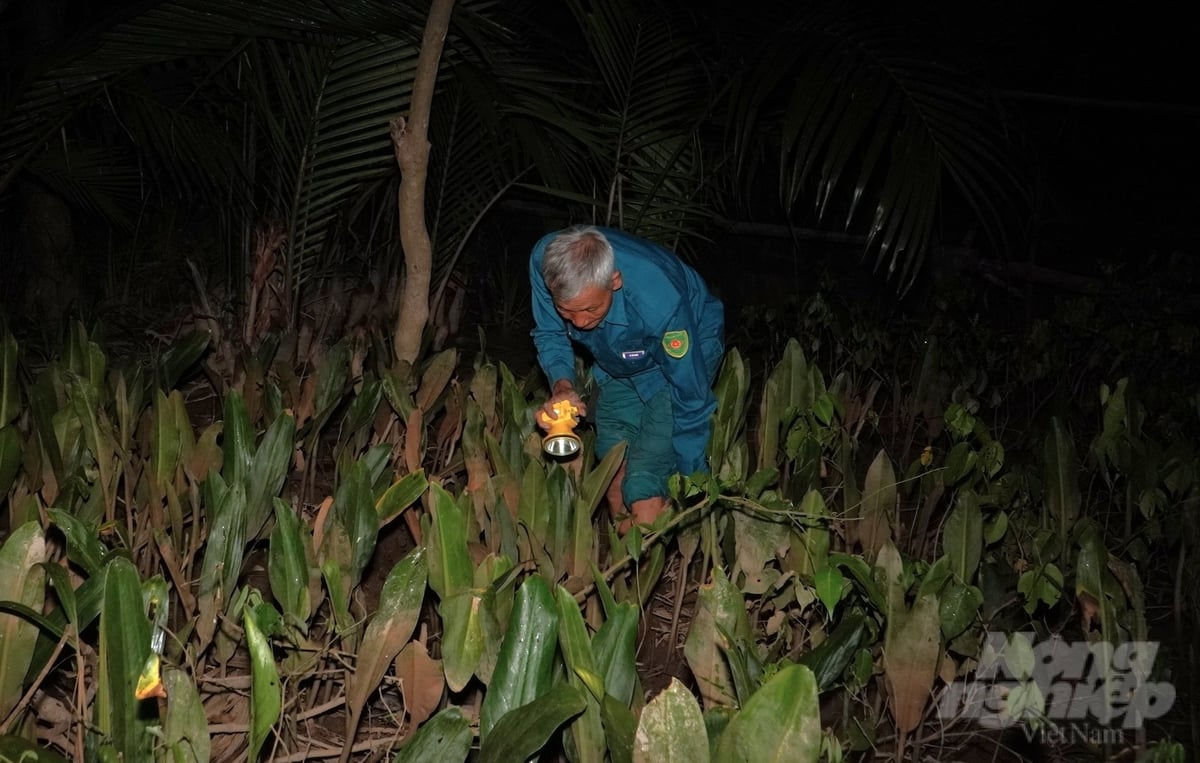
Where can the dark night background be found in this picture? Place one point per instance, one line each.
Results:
(1030, 166)
(1105, 101)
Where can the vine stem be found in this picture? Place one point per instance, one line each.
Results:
(651, 540)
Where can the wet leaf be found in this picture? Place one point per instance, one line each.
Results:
(878, 505)
(185, 729)
(124, 648)
(781, 722)
(829, 583)
(958, 607)
(22, 580)
(266, 694)
(962, 537)
(462, 640)
(446, 738)
(720, 609)
(585, 733)
(521, 732)
(288, 566)
(671, 729)
(524, 669)
(388, 632)
(402, 494)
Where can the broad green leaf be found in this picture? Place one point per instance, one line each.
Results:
(991, 458)
(333, 371)
(60, 581)
(402, 494)
(958, 607)
(185, 728)
(615, 648)
(1043, 584)
(223, 557)
(1090, 566)
(829, 583)
(98, 434)
(170, 428)
(781, 723)
(829, 660)
(877, 525)
(22, 580)
(180, 356)
(585, 733)
(268, 469)
(237, 444)
(1062, 484)
(524, 669)
(731, 388)
(444, 738)
(462, 639)
(362, 409)
(450, 567)
(719, 610)
(811, 553)
(124, 648)
(525, 730)
(590, 493)
(388, 632)
(862, 575)
(962, 537)
(266, 694)
(288, 566)
(83, 547)
(354, 516)
(671, 729)
(339, 596)
(960, 462)
(535, 507)
(995, 528)
(620, 729)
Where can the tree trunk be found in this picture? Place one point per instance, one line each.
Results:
(411, 144)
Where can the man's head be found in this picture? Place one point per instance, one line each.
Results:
(580, 272)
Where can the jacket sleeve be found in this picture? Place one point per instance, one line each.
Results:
(692, 398)
(555, 354)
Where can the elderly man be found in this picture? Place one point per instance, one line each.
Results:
(655, 334)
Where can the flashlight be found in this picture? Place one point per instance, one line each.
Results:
(560, 439)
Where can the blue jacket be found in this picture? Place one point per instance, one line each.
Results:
(660, 298)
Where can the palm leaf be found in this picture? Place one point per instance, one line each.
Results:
(864, 106)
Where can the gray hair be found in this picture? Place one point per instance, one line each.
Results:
(575, 259)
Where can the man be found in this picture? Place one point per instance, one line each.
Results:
(655, 334)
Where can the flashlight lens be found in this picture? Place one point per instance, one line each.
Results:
(562, 446)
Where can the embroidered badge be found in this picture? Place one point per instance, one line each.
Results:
(633, 355)
(676, 343)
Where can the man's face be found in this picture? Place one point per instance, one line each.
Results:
(587, 308)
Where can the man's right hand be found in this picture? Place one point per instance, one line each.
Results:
(562, 390)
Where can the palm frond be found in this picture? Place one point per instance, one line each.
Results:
(864, 106)
(619, 125)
